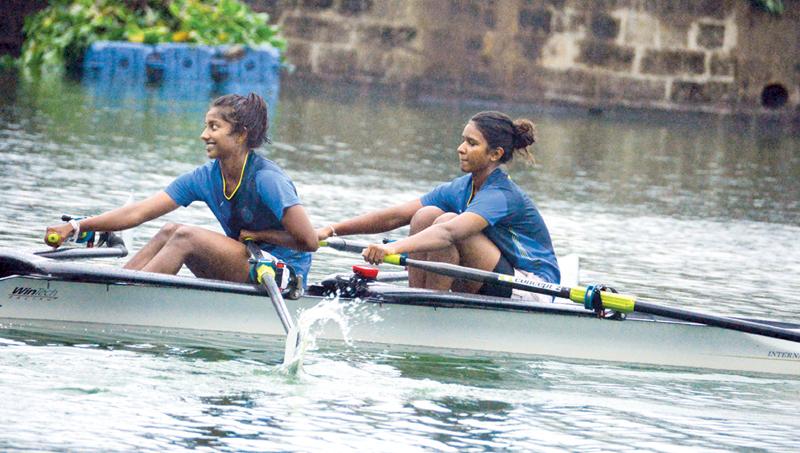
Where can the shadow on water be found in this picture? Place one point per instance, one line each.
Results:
(672, 209)
(181, 344)
(475, 371)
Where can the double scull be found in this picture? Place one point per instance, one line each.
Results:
(36, 289)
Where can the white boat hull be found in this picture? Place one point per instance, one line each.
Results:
(546, 333)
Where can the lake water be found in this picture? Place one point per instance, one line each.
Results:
(692, 211)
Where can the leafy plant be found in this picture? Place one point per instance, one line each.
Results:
(58, 36)
(205, 22)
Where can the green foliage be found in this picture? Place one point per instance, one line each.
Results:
(57, 37)
(770, 6)
(7, 62)
(223, 22)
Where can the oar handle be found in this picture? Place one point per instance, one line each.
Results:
(53, 239)
(397, 260)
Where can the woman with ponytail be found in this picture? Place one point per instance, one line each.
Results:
(250, 196)
(481, 220)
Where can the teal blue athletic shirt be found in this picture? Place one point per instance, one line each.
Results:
(258, 204)
(515, 225)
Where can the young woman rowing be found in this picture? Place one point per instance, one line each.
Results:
(249, 195)
(481, 220)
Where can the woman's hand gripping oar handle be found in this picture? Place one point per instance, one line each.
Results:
(265, 275)
(54, 238)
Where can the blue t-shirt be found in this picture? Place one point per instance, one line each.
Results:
(515, 225)
(258, 204)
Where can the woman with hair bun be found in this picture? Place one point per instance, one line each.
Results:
(481, 220)
(250, 196)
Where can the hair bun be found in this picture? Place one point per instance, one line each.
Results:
(524, 133)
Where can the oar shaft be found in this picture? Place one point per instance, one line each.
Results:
(344, 245)
(267, 281)
(619, 302)
(614, 301)
(452, 270)
(278, 303)
(81, 253)
(740, 325)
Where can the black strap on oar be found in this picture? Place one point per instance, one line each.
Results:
(587, 296)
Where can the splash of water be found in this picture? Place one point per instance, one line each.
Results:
(311, 324)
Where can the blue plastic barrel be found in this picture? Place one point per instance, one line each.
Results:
(248, 68)
(128, 60)
(270, 64)
(97, 61)
(120, 60)
(181, 62)
(184, 61)
(245, 64)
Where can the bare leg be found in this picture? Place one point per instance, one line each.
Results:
(206, 253)
(476, 251)
(445, 255)
(422, 219)
(154, 246)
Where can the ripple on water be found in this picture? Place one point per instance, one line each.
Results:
(701, 217)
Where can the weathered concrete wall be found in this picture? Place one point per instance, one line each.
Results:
(697, 55)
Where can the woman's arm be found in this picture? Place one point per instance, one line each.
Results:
(119, 219)
(435, 237)
(299, 234)
(373, 222)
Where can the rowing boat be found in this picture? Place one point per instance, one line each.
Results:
(36, 289)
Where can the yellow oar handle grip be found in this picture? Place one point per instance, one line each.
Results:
(264, 269)
(394, 259)
(53, 239)
(614, 301)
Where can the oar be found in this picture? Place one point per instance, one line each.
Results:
(109, 246)
(266, 278)
(582, 295)
(83, 253)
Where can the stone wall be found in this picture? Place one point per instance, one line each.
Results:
(12, 19)
(721, 56)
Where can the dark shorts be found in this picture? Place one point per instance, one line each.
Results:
(489, 289)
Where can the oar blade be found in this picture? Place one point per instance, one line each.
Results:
(290, 348)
